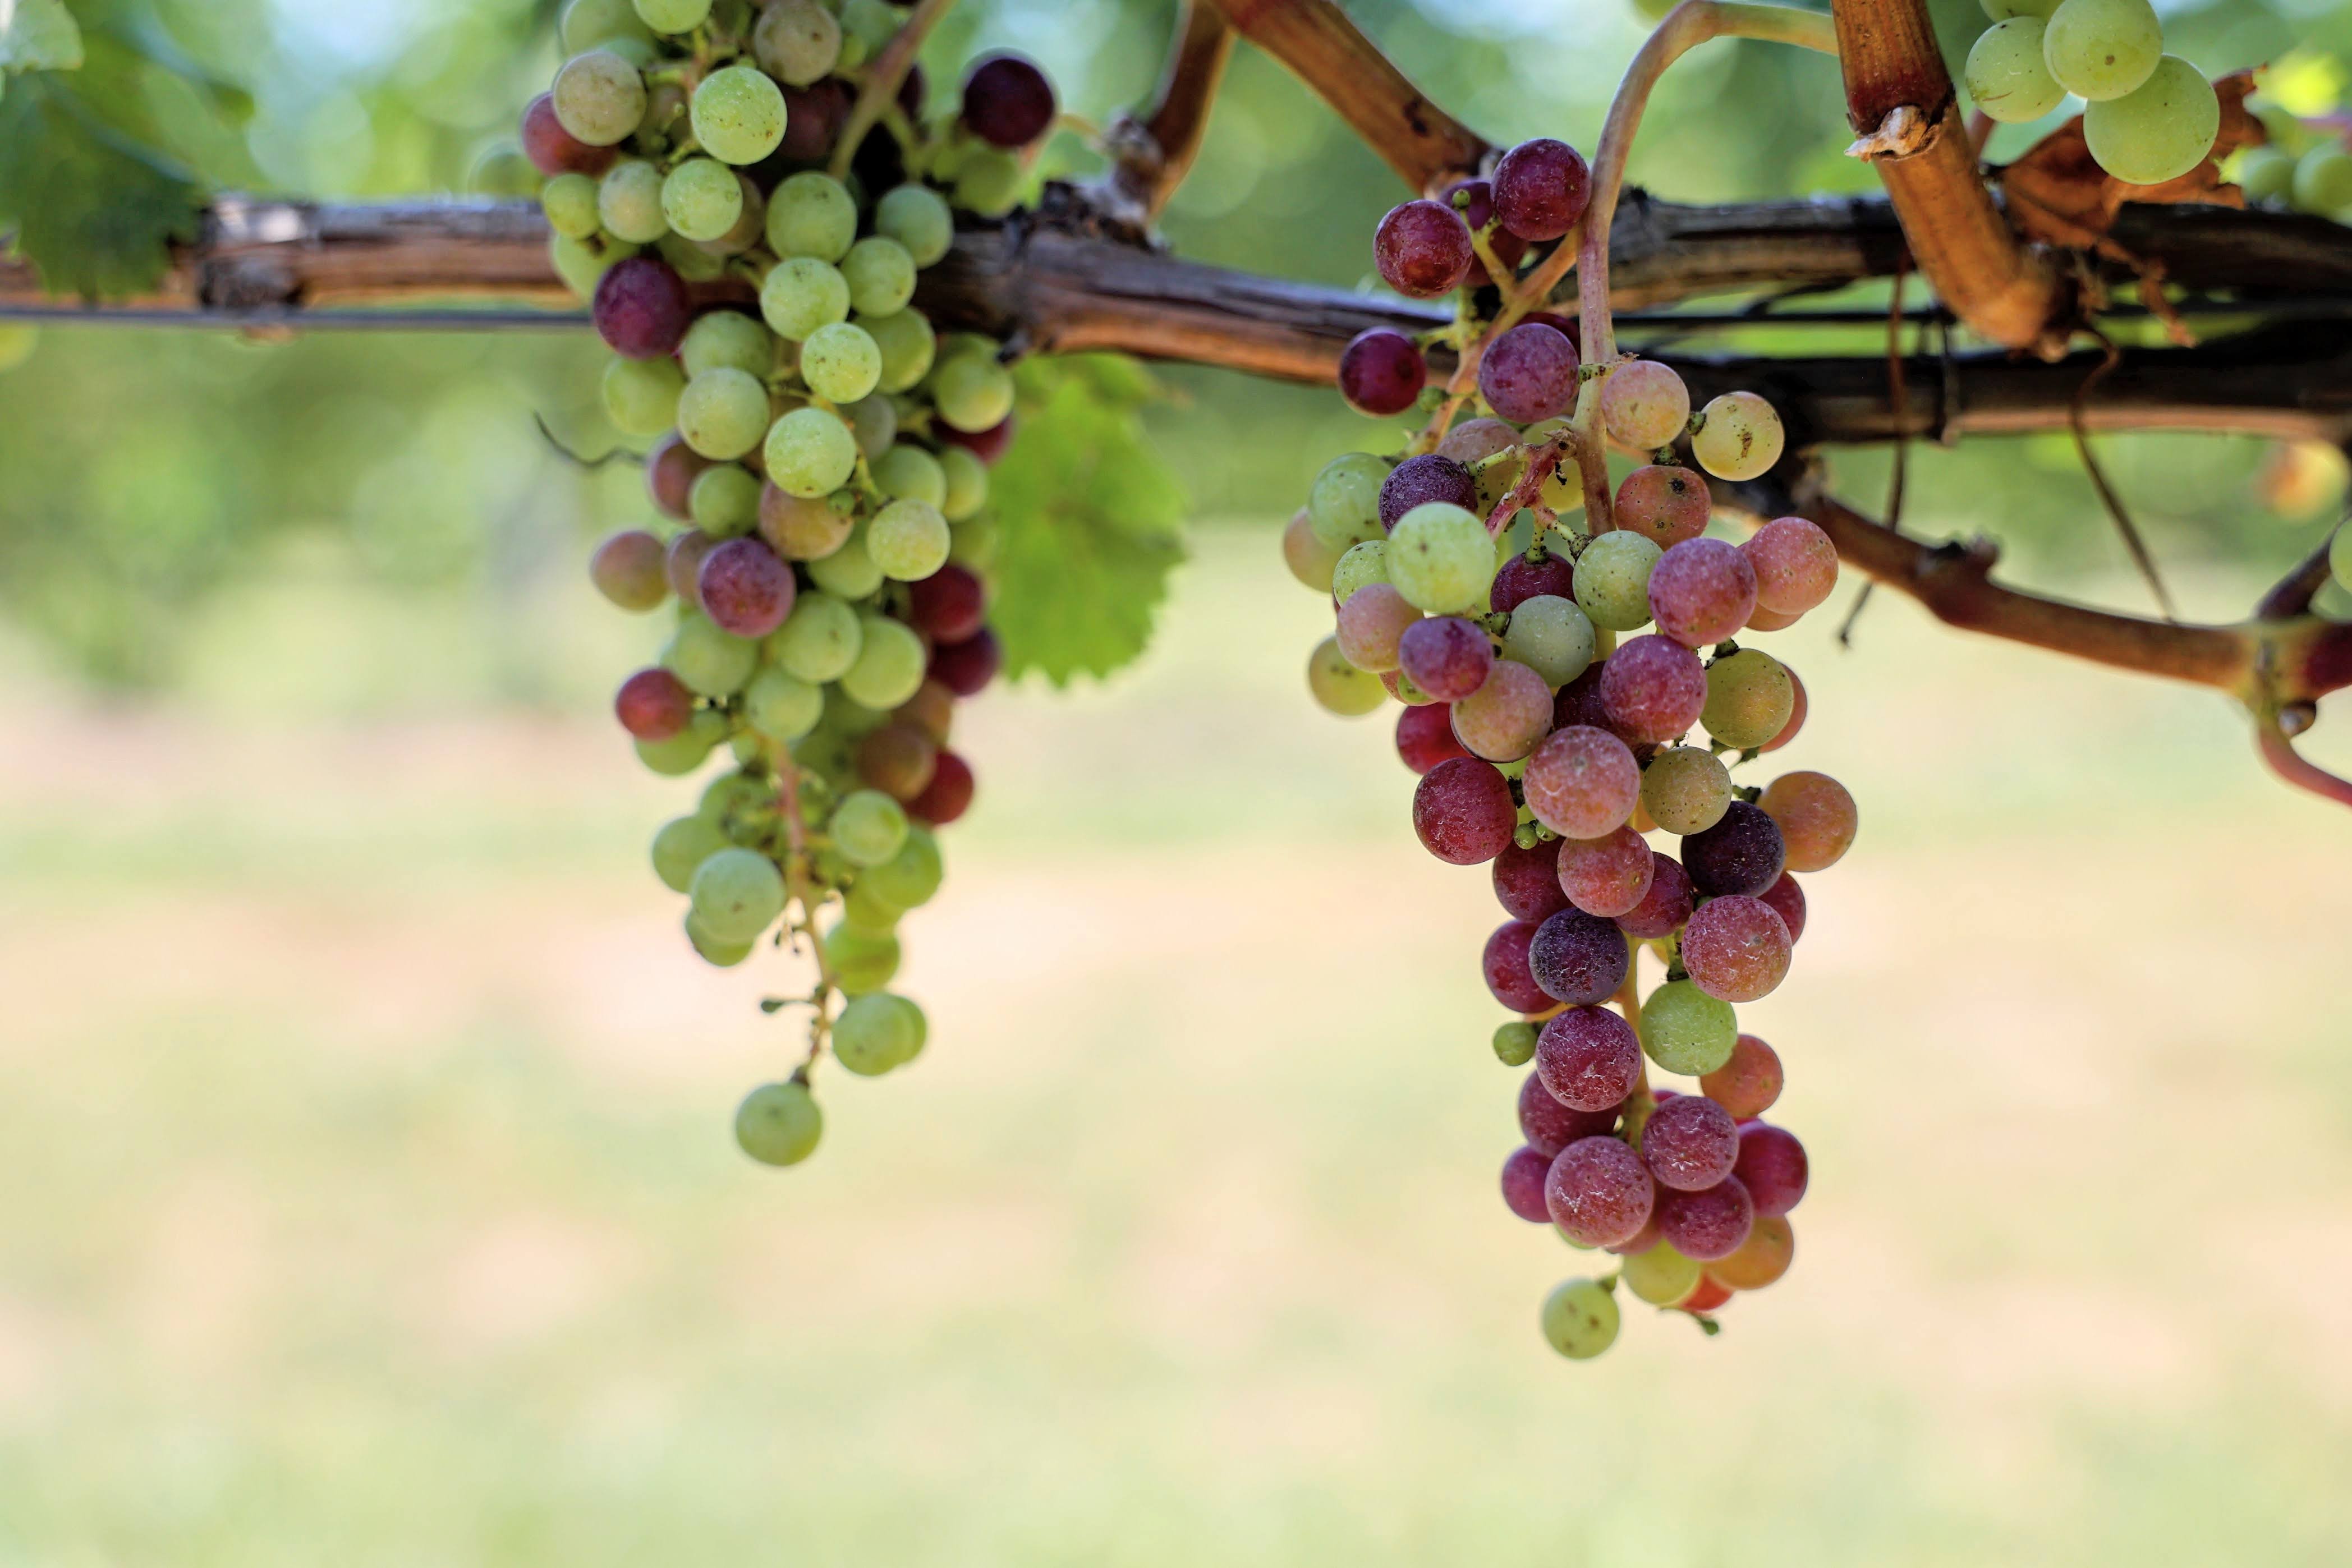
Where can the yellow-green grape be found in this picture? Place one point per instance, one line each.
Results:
(1660, 1276)
(840, 362)
(1685, 1030)
(891, 663)
(501, 169)
(976, 540)
(701, 199)
(724, 501)
(871, 22)
(731, 340)
(1514, 1042)
(742, 804)
(1750, 699)
(2266, 173)
(782, 707)
(989, 183)
(810, 452)
(797, 41)
(673, 15)
(918, 218)
(910, 878)
(737, 893)
(868, 909)
(818, 640)
(868, 827)
(801, 294)
(710, 949)
(588, 23)
(1439, 558)
(848, 572)
(1579, 1318)
(876, 1033)
(1686, 790)
(2323, 181)
(909, 541)
(2002, 10)
(1338, 686)
(1359, 565)
(723, 412)
(695, 263)
(881, 276)
(680, 848)
(739, 114)
(2006, 74)
(779, 1123)
(874, 421)
(581, 267)
(570, 203)
(1612, 580)
(908, 472)
(1741, 438)
(629, 202)
(679, 754)
(641, 396)
(972, 391)
(908, 344)
(2339, 558)
(1344, 505)
(750, 220)
(812, 214)
(966, 481)
(599, 98)
(862, 961)
(1552, 637)
(712, 662)
(855, 719)
(2100, 49)
(2160, 129)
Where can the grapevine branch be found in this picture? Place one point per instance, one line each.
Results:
(1152, 151)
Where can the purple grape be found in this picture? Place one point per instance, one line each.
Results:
(1666, 906)
(1007, 101)
(1523, 1185)
(1609, 876)
(1599, 1192)
(988, 445)
(1463, 812)
(1476, 440)
(554, 150)
(1582, 783)
(967, 667)
(642, 310)
(1549, 1126)
(746, 587)
(1446, 656)
(653, 705)
(1382, 373)
(1578, 958)
(1774, 1168)
(1529, 373)
(1541, 189)
(1427, 477)
(1527, 882)
(813, 117)
(1702, 592)
(1590, 1058)
(1654, 689)
(1706, 1225)
(1506, 964)
(1521, 580)
(1475, 200)
(1579, 704)
(1690, 1143)
(1422, 249)
(947, 606)
(1740, 854)
(1424, 737)
(671, 469)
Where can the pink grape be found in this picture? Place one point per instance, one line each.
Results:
(554, 150)
(1796, 566)
(1646, 405)
(1474, 440)
(1816, 816)
(1527, 882)
(1523, 1185)
(1788, 901)
(745, 587)
(642, 309)
(1505, 716)
(1736, 949)
(1762, 620)
(1701, 591)
(1641, 1240)
(1428, 477)
(1529, 373)
(684, 564)
(966, 668)
(1424, 737)
(1742, 853)
(947, 606)
(1788, 731)
(1773, 1167)
(1608, 876)
(1422, 249)
(1375, 616)
(1748, 1084)
(1463, 812)
(1445, 656)
(1549, 1126)
(1541, 189)
(1667, 905)
(671, 469)
(1590, 1060)
(1520, 580)
(1707, 1224)
(1690, 1143)
(1007, 101)
(627, 569)
(1578, 958)
(1507, 974)
(653, 705)
(1600, 1192)
(1663, 504)
(1652, 688)
(1583, 782)
(1382, 372)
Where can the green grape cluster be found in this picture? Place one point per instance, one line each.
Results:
(2150, 117)
(820, 460)
(2300, 165)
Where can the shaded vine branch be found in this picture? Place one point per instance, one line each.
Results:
(1153, 149)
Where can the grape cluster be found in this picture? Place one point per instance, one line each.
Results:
(2302, 165)
(1553, 669)
(2151, 117)
(821, 455)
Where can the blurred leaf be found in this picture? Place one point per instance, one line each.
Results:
(94, 210)
(127, 46)
(1090, 520)
(39, 36)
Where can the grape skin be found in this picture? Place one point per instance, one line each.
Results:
(1608, 876)
(1581, 782)
(1750, 699)
(642, 309)
(1519, 580)
(1600, 1193)
(1370, 625)
(2160, 129)
(1382, 373)
(1816, 817)
(1740, 437)
(1541, 188)
(1743, 853)
(1708, 1225)
(1667, 905)
(1526, 881)
(2100, 49)
(1529, 373)
(797, 41)
(1773, 1167)
(1686, 790)
(1504, 963)
(1552, 637)
(1007, 101)
(1795, 564)
(1612, 580)
(1445, 657)
(1439, 556)
(1701, 591)
(1463, 812)
(1762, 1259)
(1690, 1144)
(1504, 719)
(779, 1123)
(1523, 1185)
(1431, 476)
(1654, 689)
(1660, 1275)
(1749, 1083)
(627, 570)
(1685, 1030)
(1549, 1126)
(1644, 404)
(1664, 505)
(1422, 249)
(1589, 1059)
(1578, 958)
(1424, 737)
(1580, 1320)
(1737, 948)
(2007, 75)
(599, 98)
(949, 795)
(739, 115)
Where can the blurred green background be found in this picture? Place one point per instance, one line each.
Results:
(370, 1199)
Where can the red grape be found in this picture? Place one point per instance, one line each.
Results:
(1475, 200)
(1503, 718)
(1463, 812)
(554, 150)
(745, 587)
(988, 445)
(1541, 189)
(1600, 1192)
(1816, 816)
(1578, 958)
(1007, 101)
(1422, 249)
(1428, 477)
(1527, 882)
(653, 705)
(1796, 566)
(1607, 876)
(642, 309)
(1667, 903)
(1663, 504)
(1590, 1060)
(965, 668)
(1382, 372)
(1583, 782)
(1653, 689)
(1424, 737)
(949, 794)
(1446, 656)
(1549, 1126)
(1707, 1224)
(1736, 948)
(931, 710)
(1796, 715)
(1788, 901)
(1523, 1185)
(1690, 1143)
(1749, 1082)
(949, 606)
(1742, 853)
(1529, 373)
(1506, 964)
(1701, 591)
(1520, 580)
(671, 468)
(899, 760)
(1709, 1295)
(1773, 1167)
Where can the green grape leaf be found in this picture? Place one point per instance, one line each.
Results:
(1089, 520)
(39, 36)
(94, 210)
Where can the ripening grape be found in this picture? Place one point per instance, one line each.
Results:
(899, 760)
(570, 203)
(629, 202)
(1541, 188)
(1701, 591)
(1369, 624)
(653, 705)
(713, 662)
(682, 565)
(1310, 561)
(889, 666)
(1359, 565)
(949, 606)
(797, 41)
(1646, 405)
(1773, 1167)
(1422, 250)
(1660, 1275)
(1743, 853)
(1463, 812)
(1750, 699)
(1581, 782)
(1795, 564)
(965, 668)
(745, 587)
(1529, 373)
(1740, 438)
(1007, 101)
(2007, 75)
(1439, 558)
(1382, 372)
(1816, 816)
(802, 527)
(1589, 1059)
(627, 570)
(1426, 737)
(972, 391)
(948, 796)
(1612, 580)
(1736, 949)
(642, 309)
(599, 98)
(1549, 1126)
(1579, 1318)
(1685, 1030)
(2100, 49)
(1431, 476)
(1664, 505)
(1519, 579)
(779, 1123)
(1552, 637)
(1762, 1259)
(1526, 881)
(810, 452)
(781, 705)
(1338, 686)
(1522, 1182)
(1653, 689)
(801, 294)
(1707, 1224)
(1506, 716)
(1748, 1084)
(701, 199)
(1599, 1192)
(1578, 958)
(1447, 657)
(1690, 1144)
(1344, 504)
(1686, 790)
(1667, 906)
(553, 150)
(1608, 876)
(739, 115)
(2160, 129)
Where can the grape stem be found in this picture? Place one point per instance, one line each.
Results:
(880, 88)
(803, 888)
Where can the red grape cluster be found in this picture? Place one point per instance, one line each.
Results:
(1554, 669)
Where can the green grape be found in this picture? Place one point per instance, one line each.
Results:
(1514, 1042)
(891, 664)
(909, 473)
(629, 202)
(2100, 49)
(599, 98)
(712, 662)
(1552, 637)
(680, 848)
(701, 199)
(876, 1033)
(2007, 76)
(871, 22)
(2160, 129)
(1686, 790)
(989, 183)
(868, 827)
(2323, 181)
(972, 391)
(1360, 566)
(810, 452)
(908, 346)
(909, 541)
(690, 261)
(674, 16)
(1740, 437)
(723, 412)
(17, 342)
(881, 276)
(1439, 558)
(812, 214)
(801, 294)
(840, 362)
(742, 804)
(710, 949)
(974, 547)
(797, 42)
(783, 706)
(747, 747)
(739, 115)
(2339, 558)
(848, 572)
(588, 23)
(1660, 1276)
(1750, 699)
(868, 909)
(910, 878)
(918, 218)
(1338, 686)
(1685, 1030)
(641, 396)
(855, 719)
(1344, 505)
(2002, 10)
(1581, 1319)
(729, 339)
(779, 1123)
(737, 893)
(1612, 580)
(823, 752)
(2266, 173)
(862, 961)
(818, 640)
(581, 267)
(679, 754)
(963, 483)
(501, 169)
(724, 501)
(570, 203)
(874, 421)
